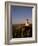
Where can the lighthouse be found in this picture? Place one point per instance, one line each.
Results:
(27, 22)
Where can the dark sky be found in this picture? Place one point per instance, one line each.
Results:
(20, 14)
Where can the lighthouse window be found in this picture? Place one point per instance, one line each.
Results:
(21, 21)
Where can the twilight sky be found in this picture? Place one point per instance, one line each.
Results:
(20, 14)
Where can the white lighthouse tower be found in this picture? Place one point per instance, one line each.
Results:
(27, 22)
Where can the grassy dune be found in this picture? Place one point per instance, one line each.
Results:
(21, 31)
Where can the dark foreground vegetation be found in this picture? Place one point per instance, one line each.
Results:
(21, 31)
